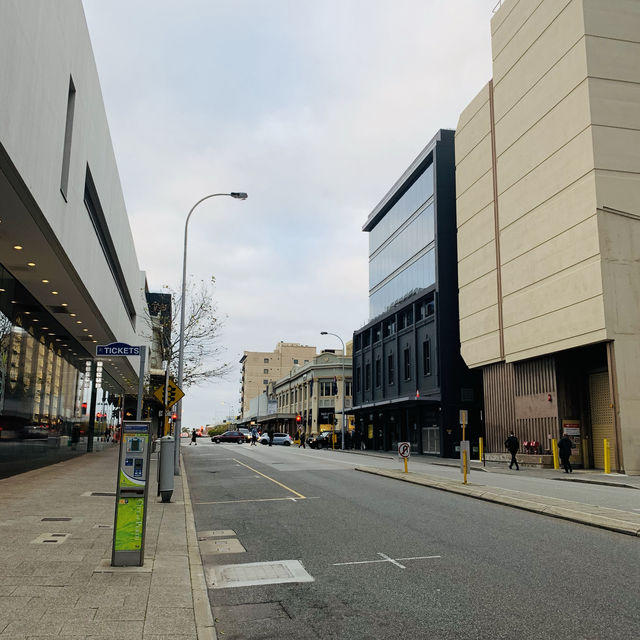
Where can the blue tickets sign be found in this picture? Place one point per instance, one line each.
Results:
(117, 349)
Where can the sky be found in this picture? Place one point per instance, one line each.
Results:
(314, 108)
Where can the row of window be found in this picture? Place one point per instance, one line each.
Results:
(326, 388)
(404, 319)
(391, 368)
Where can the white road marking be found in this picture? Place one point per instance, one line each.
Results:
(391, 560)
(385, 558)
(287, 499)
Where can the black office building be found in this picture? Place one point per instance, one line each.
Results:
(410, 381)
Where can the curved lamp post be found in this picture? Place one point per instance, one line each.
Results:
(344, 384)
(178, 424)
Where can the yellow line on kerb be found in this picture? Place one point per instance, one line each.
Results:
(284, 486)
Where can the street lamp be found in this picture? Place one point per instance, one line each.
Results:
(344, 384)
(178, 422)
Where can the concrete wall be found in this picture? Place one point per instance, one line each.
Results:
(42, 45)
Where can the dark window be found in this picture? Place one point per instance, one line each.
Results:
(391, 373)
(266, 360)
(367, 376)
(407, 364)
(365, 338)
(295, 362)
(389, 327)
(265, 371)
(99, 221)
(426, 357)
(68, 130)
(265, 382)
(378, 372)
(376, 334)
(358, 379)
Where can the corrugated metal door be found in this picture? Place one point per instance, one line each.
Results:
(601, 419)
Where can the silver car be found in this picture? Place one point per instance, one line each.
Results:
(278, 438)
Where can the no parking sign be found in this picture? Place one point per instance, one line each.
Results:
(404, 449)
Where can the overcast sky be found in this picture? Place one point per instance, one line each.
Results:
(314, 108)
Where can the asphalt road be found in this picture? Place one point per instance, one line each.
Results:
(394, 560)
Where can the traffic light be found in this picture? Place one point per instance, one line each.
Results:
(174, 416)
(298, 419)
(84, 408)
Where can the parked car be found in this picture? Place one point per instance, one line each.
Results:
(323, 439)
(229, 436)
(278, 438)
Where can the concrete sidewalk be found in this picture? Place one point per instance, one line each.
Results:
(67, 588)
(425, 472)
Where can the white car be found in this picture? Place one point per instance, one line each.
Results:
(278, 438)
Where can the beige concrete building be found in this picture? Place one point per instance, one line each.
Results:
(259, 368)
(316, 393)
(548, 209)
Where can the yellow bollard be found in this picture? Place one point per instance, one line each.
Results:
(607, 456)
(481, 448)
(556, 455)
(464, 466)
(406, 468)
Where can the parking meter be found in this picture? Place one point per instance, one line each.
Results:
(131, 495)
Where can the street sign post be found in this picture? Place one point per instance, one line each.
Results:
(404, 451)
(173, 394)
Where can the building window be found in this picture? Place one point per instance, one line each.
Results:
(365, 338)
(66, 149)
(266, 360)
(378, 372)
(326, 388)
(265, 371)
(306, 361)
(295, 362)
(265, 382)
(391, 373)
(377, 334)
(389, 327)
(407, 364)
(426, 357)
(367, 376)
(100, 226)
(358, 379)
(347, 390)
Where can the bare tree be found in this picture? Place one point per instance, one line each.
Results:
(202, 349)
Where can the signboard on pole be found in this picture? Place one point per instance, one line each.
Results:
(464, 446)
(117, 349)
(174, 394)
(404, 449)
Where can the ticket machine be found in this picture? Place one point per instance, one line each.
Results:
(131, 495)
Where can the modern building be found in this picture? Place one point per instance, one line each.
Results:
(410, 382)
(69, 275)
(315, 392)
(548, 206)
(259, 368)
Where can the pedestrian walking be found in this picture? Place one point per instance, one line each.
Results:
(270, 437)
(513, 445)
(564, 448)
(302, 442)
(254, 437)
(194, 437)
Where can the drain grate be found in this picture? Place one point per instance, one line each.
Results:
(55, 519)
(104, 493)
(103, 526)
(51, 538)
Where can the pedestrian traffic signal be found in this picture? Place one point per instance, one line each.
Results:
(84, 408)
(298, 418)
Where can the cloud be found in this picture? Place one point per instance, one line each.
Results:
(314, 109)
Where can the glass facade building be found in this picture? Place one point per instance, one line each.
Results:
(44, 388)
(402, 246)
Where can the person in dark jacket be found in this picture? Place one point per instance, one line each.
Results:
(513, 445)
(270, 437)
(194, 437)
(564, 448)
